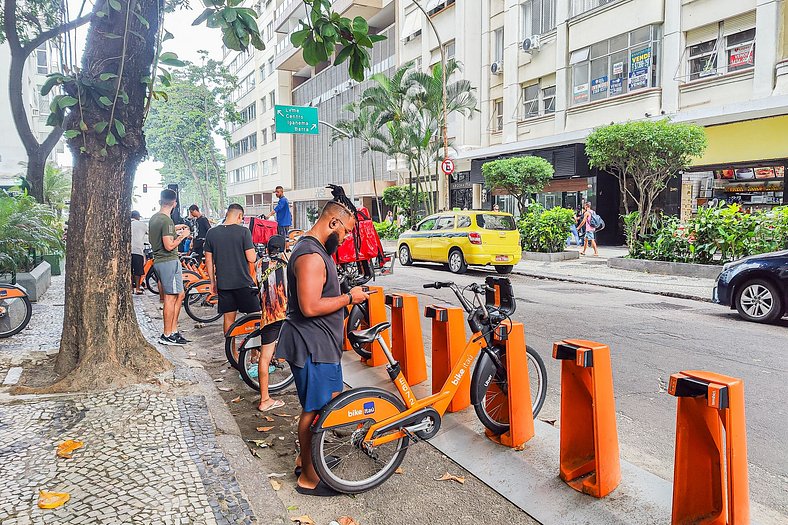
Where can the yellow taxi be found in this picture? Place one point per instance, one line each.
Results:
(462, 238)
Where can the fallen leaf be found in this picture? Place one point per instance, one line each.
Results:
(52, 500)
(264, 429)
(236, 400)
(259, 442)
(275, 484)
(520, 447)
(282, 415)
(451, 477)
(399, 470)
(549, 421)
(292, 507)
(218, 380)
(226, 388)
(269, 419)
(347, 520)
(275, 475)
(302, 520)
(67, 448)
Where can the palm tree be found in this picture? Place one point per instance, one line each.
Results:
(57, 187)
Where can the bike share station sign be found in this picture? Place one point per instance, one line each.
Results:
(297, 120)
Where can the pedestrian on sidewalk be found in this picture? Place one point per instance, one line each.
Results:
(312, 335)
(390, 217)
(284, 219)
(273, 299)
(229, 259)
(139, 231)
(164, 241)
(575, 235)
(201, 227)
(590, 230)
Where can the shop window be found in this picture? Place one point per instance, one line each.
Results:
(721, 48)
(616, 66)
(531, 101)
(537, 17)
(498, 45)
(498, 115)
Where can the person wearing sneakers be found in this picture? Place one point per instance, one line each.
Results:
(590, 235)
(273, 298)
(164, 241)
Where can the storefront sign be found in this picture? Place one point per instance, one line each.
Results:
(741, 56)
(580, 93)
(618, 68)
(616, 86)
(640, 61)
(599, 85)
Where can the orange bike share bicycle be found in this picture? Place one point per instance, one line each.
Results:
(362, 435)
(15, 309)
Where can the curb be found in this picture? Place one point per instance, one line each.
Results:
(676, 295)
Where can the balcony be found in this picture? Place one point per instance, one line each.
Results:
(287, 15)
(578, 7)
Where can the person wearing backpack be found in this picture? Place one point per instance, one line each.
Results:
(593, 223)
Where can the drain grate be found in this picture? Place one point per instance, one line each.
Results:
(659, 306)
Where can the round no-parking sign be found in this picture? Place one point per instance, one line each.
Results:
(447, 166)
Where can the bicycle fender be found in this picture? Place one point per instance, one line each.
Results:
(483, 373)
(245, 325)
(8, 291)
(356, 406)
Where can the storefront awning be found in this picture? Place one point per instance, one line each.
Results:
(746, 141)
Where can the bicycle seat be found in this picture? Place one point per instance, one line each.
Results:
(360, 337)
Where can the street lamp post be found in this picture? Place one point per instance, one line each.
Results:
(352, 159)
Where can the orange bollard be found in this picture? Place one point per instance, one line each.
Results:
(710, 479)
(407, 345)
(589, 440)
(346, 346)
(519, 409)
(448, 342)
(376, 307)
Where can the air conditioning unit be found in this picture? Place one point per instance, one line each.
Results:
(496, 68)
(531, 44)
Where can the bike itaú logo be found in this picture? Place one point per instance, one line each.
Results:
(406, 390)
(368, 408)
(458, 376)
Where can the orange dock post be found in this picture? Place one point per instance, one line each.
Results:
(589, 440)
(448, 342)
(376, 307)
(346, 346)
(710, 479)
(518, 399)
(407, 345)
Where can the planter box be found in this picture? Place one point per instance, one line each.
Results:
(35, 282)
(703, 271)
(57, 262)
(551, 257)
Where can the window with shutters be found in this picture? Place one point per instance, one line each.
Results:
(721, 48)
(536, 17)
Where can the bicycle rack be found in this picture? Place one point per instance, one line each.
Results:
(407, 345)
(376, 306)
(710, 478)
(589, 440)
(448, 342)
(521, 417)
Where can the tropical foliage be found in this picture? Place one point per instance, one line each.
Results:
(715, 235)
(27, 229)
(520, 177)
(388, 230)
(402, 198)
(545, 231)
(57, 187)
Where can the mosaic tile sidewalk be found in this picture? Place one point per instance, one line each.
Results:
(149, 458)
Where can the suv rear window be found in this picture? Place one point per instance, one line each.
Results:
(495, 222)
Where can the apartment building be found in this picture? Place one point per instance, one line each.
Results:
(45, 60)
(550, 71)
(258, 160)
(318, 160)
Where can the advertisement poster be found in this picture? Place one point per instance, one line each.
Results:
(599, 85)
(640, 61)
(580, 93)
(741, 56)
(616, 86)
(618, 68)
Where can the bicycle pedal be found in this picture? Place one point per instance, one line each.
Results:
(411, 436)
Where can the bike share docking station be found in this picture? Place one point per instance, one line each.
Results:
(407, 345)
(710, 479)
(448, 342)
(589, 455)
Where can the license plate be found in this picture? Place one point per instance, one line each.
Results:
(501, 258)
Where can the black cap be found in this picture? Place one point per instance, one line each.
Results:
(135, 214)
(276, 244)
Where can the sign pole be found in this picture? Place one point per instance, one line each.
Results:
(352, 158)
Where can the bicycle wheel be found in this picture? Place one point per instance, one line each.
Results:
(15, 313)
(152, 281)
(490, 389)
(200, 304)
(279, 374)
(359, 320)
(360, 467)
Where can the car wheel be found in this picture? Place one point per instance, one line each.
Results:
(759, 301)
(457, 262)
(504, 268)
(404, 255)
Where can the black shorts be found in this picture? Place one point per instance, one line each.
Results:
(137, 264)
(270, 332)
(245, 300)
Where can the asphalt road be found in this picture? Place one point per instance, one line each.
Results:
(652, 337)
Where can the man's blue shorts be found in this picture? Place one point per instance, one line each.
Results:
(316, 383)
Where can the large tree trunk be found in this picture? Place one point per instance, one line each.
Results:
(219, 185)
(102, 345)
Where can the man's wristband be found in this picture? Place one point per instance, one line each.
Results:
(349, 298)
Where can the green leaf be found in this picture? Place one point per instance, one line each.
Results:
(230, 39)
(100, 126)
(114, 4)
(343, 55)
(105, 101)
(83, 126)
(67, 101)
(171, 59)
(107, 76)
(103, 152)
(51, 82)
(101, 14)
(376, 38)
(71, 133)
(120, 128)
(111, 140)
(229, 14)
(360, 25)
(299, 37)
(167, 36)
(124, 97)
(111, 36)
(142, 20)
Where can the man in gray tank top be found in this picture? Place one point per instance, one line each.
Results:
(312, 335)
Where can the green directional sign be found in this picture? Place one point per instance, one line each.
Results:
(300, 120)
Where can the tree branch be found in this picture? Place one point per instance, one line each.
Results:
(9, 23)
(55, 31)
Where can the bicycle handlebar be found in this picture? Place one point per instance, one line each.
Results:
(477, 289)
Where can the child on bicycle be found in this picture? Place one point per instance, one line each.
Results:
(273, 299)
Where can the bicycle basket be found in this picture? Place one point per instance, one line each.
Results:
(501, 295)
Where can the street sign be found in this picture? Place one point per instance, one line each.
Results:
(301, 120)
(447, 166)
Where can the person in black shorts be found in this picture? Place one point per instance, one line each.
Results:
(273, 297)
(229, 259)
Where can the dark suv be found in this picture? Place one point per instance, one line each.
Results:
(757, 286)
